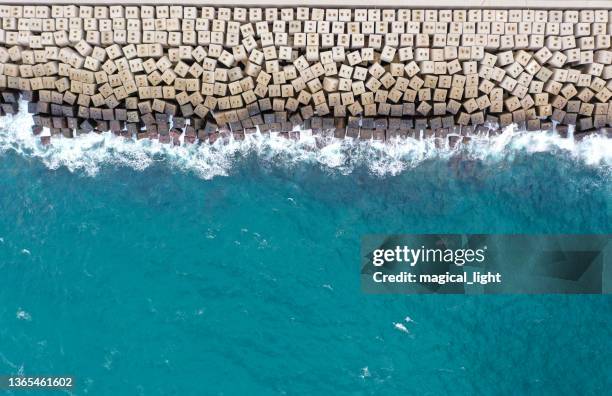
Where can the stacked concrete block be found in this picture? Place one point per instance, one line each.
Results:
(158, 71)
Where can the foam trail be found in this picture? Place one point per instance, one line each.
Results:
(88, 153)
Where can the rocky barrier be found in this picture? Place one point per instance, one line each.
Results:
(164, 71)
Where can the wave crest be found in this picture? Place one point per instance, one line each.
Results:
(88, 153)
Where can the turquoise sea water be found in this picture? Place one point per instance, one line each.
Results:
(158, 282)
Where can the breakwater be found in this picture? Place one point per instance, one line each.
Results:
(167, 70)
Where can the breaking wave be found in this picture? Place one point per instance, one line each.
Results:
(88, 153)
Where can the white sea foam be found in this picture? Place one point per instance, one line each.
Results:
(88, 153)
(401, 327)
(23, 315)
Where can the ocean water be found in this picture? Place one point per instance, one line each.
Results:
(148, 270)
